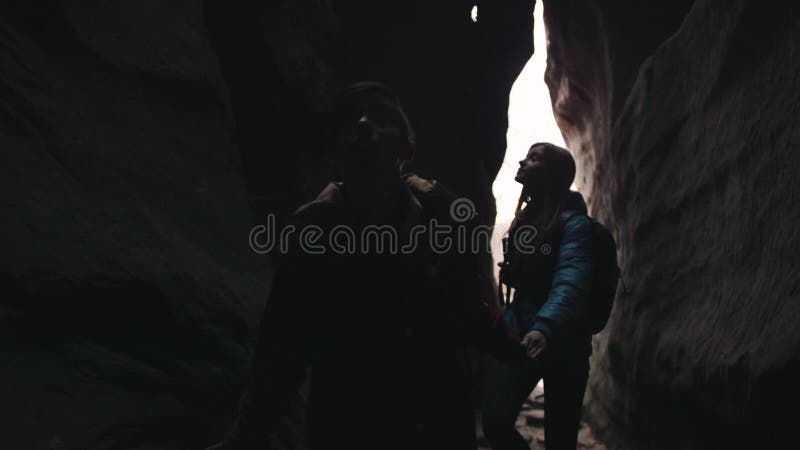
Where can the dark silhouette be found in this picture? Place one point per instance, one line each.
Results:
(550, 306)
(379, 330)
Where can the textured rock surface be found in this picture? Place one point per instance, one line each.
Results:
(693, 162)
(129, 289)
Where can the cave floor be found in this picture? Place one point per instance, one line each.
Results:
(530, 424)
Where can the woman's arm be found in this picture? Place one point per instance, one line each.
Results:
(566, 304)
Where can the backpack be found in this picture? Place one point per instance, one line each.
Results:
(605, 278)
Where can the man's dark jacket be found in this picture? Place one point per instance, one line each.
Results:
(380, 333)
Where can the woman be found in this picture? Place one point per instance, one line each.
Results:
(552, 276)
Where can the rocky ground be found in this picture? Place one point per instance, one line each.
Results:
(530, 424)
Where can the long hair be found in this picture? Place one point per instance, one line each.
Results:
(559, 176)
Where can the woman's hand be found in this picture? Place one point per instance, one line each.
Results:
(534, 343)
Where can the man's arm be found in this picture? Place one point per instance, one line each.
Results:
(475, 322)
(472, 319)
(280, 359)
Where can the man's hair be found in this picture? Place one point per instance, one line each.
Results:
(363, 93)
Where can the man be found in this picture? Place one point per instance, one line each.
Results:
(378, 327)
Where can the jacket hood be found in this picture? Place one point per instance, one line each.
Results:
(331, 200)
(575, 202)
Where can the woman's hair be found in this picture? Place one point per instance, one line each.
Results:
(561, 164)
(559, 176)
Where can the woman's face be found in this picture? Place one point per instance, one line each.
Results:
(531, 169)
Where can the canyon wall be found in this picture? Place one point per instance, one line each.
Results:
(687, 137)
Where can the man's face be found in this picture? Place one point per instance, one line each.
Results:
(531, 167)
(371, 128)
(371, 136)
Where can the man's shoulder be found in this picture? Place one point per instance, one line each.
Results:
(420, 185)
(438, 201)
(322, 209)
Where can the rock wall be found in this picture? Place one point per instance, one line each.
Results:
(687, 135)
(129, 289)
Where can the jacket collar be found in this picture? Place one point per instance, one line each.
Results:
(332, 194)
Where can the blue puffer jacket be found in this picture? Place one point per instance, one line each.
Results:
(553, 288)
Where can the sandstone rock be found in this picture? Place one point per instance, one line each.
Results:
(534, 418)
(692, 164)
(130, 292)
